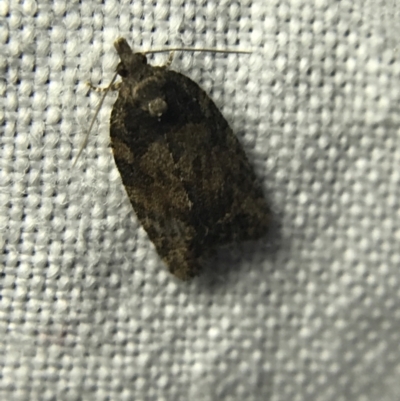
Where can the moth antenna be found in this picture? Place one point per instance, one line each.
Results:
(85, 140)
(191, 49)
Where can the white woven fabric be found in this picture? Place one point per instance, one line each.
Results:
(87, 309)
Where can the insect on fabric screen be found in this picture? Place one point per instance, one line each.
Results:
(88, 310)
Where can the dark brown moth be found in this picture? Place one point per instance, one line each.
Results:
(185, 172)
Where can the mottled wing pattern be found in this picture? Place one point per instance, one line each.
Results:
(228, 203)
(186, 175)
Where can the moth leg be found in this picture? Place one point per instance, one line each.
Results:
(114, 87)
(170, 59)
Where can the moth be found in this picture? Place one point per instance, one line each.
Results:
(187, 177)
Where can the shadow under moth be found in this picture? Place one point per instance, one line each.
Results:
(185, 172)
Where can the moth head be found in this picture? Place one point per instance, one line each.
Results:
(130, 61)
